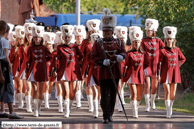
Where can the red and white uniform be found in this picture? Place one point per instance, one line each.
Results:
(136, 62)
(112, 47)
(23, 58)
(86, 47)
(37, 58)
(53, 64)
(151, 47)
(170, 59)
(68, 57)
(14, 59)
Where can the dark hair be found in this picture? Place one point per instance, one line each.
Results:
(3, 24)
(66, 23)
(7, 30)
(33, 43)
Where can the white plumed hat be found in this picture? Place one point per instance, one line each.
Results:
(11, 26)
(49, 37)
(38, 31)
(131, 28)
(136, 34)
(169, 31)
(94, 37)
(79, 30)
(93, 24)
(58, 37)
(108, 21)
(28, 28)
(19, 31)
(121, 32)
(12, 36)
(151, 24)
(67, 30)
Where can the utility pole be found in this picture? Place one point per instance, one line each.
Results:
(77, 12)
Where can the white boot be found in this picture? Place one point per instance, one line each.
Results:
(55, 92)
(135, 109)
(20, 101)
(153, 106)
(120, 109)
(117, 101)
(46, 99)
(95, 102)
(28, 103)
(36, 107)
(90, 101)
(123, 96)
(147, 101)
(39, 106)
(49, 96)
(60, 100)
(70, 106)
(167, 103)
(78, 99)
(171, 104)
(138, 103)
(99, 100)
(66, 107)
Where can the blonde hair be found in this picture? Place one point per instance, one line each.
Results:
(173, 44)
(46, 44)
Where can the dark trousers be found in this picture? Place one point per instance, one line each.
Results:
(108, 97)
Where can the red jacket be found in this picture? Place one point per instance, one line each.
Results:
(136, 62)
(14, 59)
(151, 47)
(112, 47)
(68, 57)
(23, 58)
(53, 65)
(85, 48)
(170, 59)
(37, 58)
(93, 71)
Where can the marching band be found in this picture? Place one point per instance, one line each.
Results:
(72, 57)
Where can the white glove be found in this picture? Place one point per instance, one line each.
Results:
(119, 58)
(106, 62)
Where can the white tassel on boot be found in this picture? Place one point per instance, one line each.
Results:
(20, 101)
(36, 107)
(60, 100)
(171, 104)
(28, 103)
(39, 106)
(153, 106)
(95, 102)
(90, 101)
(78, 99)
(167, 103)
(147, 101)
(117, 101)
(123, 96)
(135, 109)
(46, 99)
(66, 107)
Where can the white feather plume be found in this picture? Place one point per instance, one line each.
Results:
(106, 11)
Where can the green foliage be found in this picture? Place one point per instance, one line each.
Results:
(179, 13)
(69, 6)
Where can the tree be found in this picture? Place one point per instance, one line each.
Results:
(179, 13)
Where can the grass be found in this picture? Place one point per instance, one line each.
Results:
(182, 103)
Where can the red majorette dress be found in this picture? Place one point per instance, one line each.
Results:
(53, 66)
(136, 62)
(22, 58)
(37, 58)
(170, 59)
(68, 57)
(85, 48)
(93, 73)
(127, 48)
(151, 47)
(112, 47)
(14, 59)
